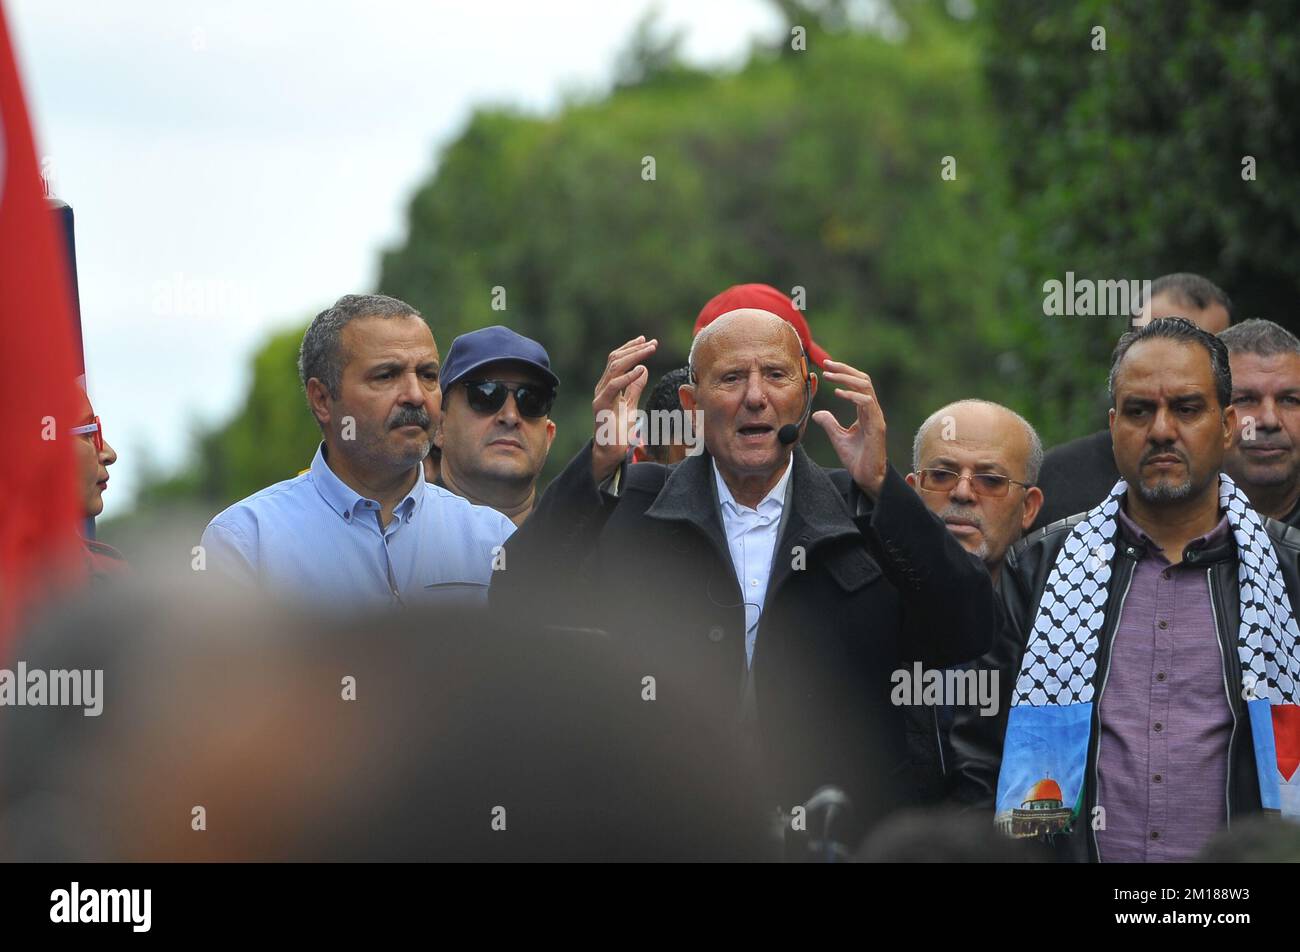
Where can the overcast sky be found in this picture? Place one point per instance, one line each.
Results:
(236, 165)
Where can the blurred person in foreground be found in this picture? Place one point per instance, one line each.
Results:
(362, 527)
(496, 431)
(94, 455)
(944, 835)
(1151, 664)
(1077, 475)
(1264, 458)
(793, 592)
(1256, 839)
(268, 733)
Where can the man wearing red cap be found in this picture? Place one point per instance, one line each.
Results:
(780, 595)
(765, 298)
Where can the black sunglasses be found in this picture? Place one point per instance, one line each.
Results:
(489, 396)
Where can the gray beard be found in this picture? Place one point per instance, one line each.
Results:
(1166, 493)
(982, 553)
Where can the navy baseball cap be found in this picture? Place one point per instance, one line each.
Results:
(490, 345)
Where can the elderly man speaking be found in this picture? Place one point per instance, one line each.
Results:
(776, 596)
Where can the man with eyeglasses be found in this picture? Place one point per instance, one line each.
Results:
(362, 528)
(498, 389)
(975, 464)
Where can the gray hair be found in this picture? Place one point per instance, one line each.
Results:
(1033, 464)
(715, 325)
(1260, 337)
(321, 353)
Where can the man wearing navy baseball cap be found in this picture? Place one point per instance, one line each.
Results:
(496, 430)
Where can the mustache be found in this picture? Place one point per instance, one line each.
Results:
(1163, 451)
(410, 416)
(965, 514)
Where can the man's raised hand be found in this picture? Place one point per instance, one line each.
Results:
(617, 396)
(861, 446)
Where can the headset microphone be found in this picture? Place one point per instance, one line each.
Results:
(789, 434)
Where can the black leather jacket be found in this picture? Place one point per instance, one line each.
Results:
(977, 741)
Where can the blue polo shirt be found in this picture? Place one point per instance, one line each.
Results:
(315, 539)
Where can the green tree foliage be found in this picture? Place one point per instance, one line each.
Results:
(1128, 162)
(818, 168)
(821, 168)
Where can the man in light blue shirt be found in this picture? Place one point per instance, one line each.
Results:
(362, 528)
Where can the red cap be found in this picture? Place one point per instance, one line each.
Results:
(765, 298)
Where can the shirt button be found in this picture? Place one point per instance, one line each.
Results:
(753, 581)
(1160, 676)
(1165, 575)
(1130, 551)
(1163, 624)
(1159, 727)
(715, 634)
(1157, 778)
(1192, 556)
(1155, 834)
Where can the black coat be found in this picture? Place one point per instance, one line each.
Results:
(880, 587)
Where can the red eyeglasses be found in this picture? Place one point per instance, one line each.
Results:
(95, 429)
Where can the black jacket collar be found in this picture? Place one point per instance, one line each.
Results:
(818, 511)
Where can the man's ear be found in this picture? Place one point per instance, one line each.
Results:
(1033, 504)
(911, 479)
(1230, 425)
(437, 434)
(812, 385)
(320, 401)
(550, 434)
(686, 394)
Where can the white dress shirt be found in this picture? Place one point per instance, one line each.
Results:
(751, 537)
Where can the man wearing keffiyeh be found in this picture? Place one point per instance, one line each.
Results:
(1150, 667)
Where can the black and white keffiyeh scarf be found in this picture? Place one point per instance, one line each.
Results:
(1041, 784)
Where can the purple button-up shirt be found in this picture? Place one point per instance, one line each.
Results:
(1162, 763)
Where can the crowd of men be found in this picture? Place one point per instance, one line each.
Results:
(1128, 596)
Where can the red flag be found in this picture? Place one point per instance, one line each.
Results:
(40, 523)
(1286, 739)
